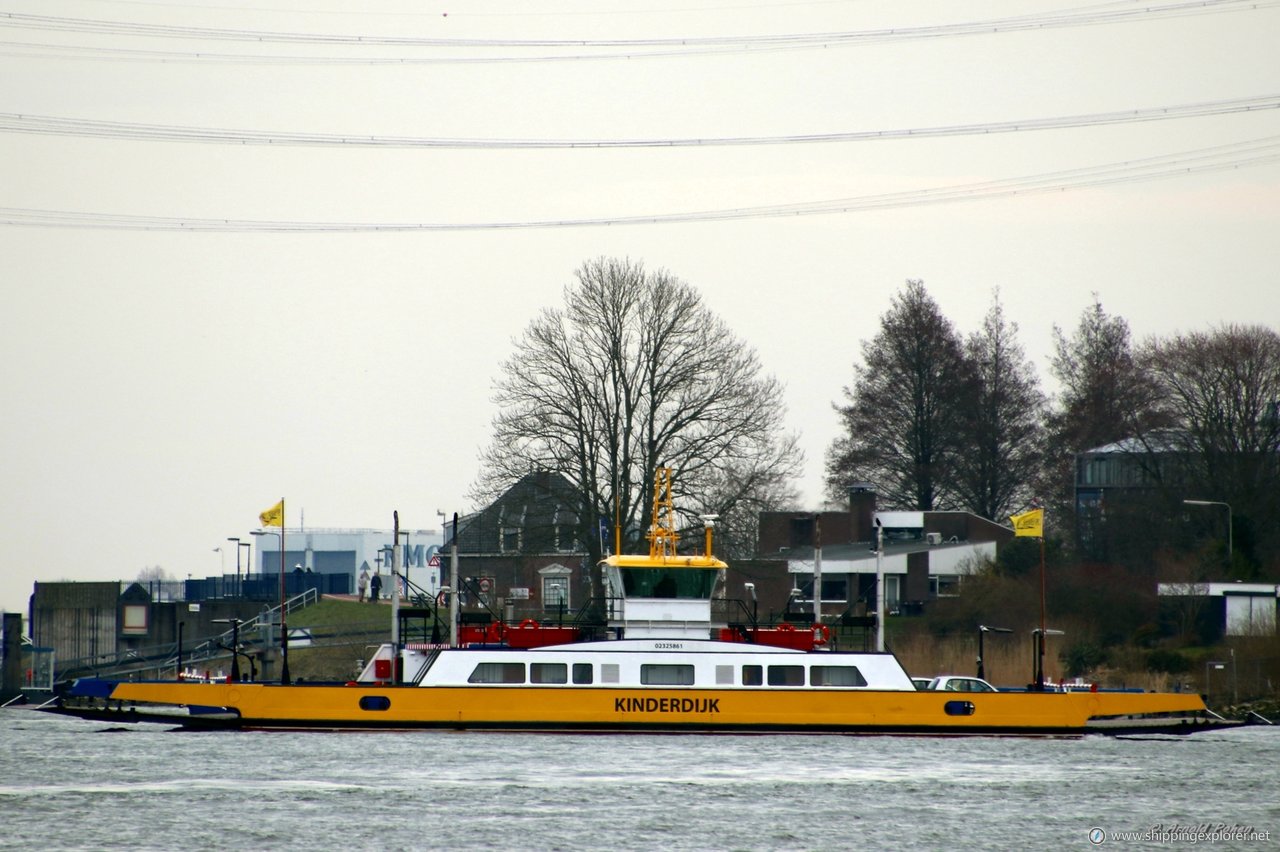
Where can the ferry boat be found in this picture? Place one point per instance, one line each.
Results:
(664, 667)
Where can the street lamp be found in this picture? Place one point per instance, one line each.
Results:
(237, 541)
(983, 630)
(284, 629)
(1216, 664)
(235, 645)
(248, 564)
(1038, 636)
(1217, 503)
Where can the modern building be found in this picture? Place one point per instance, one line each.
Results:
(1227, 609)
(925, 556)
(328, 560)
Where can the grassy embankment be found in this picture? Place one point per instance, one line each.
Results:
(342, 633)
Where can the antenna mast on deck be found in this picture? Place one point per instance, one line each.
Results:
(662, 534)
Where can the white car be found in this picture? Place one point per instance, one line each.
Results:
(954, 683)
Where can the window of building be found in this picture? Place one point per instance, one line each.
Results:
(134, 620)
(752, 675)
(786, 675)
(509, 540)
(548, 673)
(661, 674)
(609, 673)
(945, 585)
(836, 676)
(555, 592)
(835, 589)
(497, 673)
(582, 673)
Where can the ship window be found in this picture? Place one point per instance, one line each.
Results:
(497, 673)
(724, 675)
(548, 673)
(673, 582)
(836, 676)
(786, 675)
(666, 675)
(608, 672)
(582, 673)
(752, 675)
(375, 702)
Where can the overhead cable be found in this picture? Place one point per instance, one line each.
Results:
(91, 128)
(633, 48)
(1224, 157)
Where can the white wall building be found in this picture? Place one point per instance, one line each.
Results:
(349, 551)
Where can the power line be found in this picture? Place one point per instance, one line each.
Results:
(90, 128)
(1232, 156)
(634, 48)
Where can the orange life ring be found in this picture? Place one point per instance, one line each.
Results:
(528, 622)
(821, 634)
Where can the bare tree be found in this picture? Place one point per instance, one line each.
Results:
(1221, 389)
(1105, 397)
(154, 574)
(996, 472)
(903, 420)
(635, 372)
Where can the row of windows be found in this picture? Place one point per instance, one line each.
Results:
(667, 674)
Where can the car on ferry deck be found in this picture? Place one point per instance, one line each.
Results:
(953, 683)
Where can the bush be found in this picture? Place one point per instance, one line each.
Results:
(1168, 661)
(1081, 658)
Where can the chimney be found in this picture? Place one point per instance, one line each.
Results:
(862, 506)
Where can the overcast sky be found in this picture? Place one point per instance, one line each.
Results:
(161, 387)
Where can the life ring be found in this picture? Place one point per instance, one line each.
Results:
(528, 622)
(821, 634)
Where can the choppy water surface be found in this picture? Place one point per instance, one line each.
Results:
(68, 784)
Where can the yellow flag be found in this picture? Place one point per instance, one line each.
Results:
(1029, 523)
(273, 517)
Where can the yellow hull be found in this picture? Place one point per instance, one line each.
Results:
(611, 709)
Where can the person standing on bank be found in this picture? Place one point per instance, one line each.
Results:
(362, 584)
(375, 586)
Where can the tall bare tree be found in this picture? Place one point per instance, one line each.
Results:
(635, 372)
(1105, 397)
(903, 420)
(1221, 389)
(1001, 460)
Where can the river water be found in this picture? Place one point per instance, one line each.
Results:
(71, 784)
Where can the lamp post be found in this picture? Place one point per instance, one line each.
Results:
(235, 645)
(284, 629)
(879, 586)
(1216, 664)
(1217, 503)
(248, 563)
(1038, 636)
(237, 585)
(983, 630)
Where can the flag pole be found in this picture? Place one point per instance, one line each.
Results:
(1040, 647)
(284, 627)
